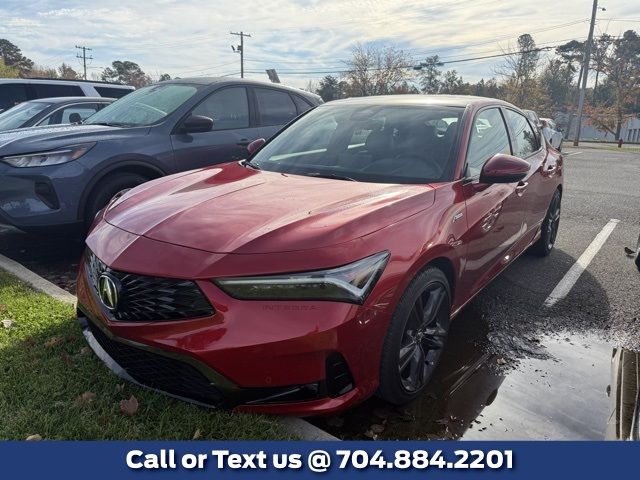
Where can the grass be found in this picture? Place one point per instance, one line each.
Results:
(52, 385)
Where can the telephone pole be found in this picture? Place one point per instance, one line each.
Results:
(84, 58)
(240, 49)
(585, 72)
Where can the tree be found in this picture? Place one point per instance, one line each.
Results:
(451, 83)
(622, 68)
(126, 72)
(41, 71)
(429, 76)
(8, 72)
(12, 57)
(556, 81)
(489, 88)
(330, 88)
(164, 77)
(599, 55)
(520, 70)
(375, 71)
(65, 71)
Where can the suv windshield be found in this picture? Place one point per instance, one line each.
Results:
(146, 106)
(370, 143)
(16, 117)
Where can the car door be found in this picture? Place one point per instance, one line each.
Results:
(526, 145)
(227, 141)
(494, 212)
(275, 109)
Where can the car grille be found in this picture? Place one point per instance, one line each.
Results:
(160, 372)
(147, 299)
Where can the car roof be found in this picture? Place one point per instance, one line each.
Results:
(418, 99)
(56, 100)
(239, 81)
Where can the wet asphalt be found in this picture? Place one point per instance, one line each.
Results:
(513, 368)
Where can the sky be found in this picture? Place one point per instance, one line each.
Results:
(303, 40)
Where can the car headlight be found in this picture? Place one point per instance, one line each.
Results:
(349, 283)
(54, 157)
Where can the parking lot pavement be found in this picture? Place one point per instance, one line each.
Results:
(513, 367)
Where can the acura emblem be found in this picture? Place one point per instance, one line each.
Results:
(109, 291)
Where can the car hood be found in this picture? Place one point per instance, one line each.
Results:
(40, 139)
(234, 209)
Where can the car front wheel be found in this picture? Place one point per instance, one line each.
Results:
(416, 337)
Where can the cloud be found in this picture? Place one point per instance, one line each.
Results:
(191, 37)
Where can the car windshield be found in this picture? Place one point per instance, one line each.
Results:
(17, 116)
(371, 143)
(146, 106)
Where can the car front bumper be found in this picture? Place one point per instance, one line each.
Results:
(276, 357)
(41, 196)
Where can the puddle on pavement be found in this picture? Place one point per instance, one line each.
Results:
(558, 391)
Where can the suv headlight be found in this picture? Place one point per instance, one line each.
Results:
(54, 157)
(349, 283)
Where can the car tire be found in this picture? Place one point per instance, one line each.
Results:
(105, 191)
(414, 342)
(549, 229)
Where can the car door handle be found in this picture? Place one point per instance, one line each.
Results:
(244, 142)
(521, 188)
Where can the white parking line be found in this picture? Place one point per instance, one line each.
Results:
(571, 277)
(569, 154)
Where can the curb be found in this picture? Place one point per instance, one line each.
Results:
(295, 425)
(36, 281)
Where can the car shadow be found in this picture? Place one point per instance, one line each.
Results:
(53, 255)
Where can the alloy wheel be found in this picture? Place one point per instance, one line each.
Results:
(553, 221)
(423, 338)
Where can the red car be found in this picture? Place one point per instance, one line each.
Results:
(325, 268)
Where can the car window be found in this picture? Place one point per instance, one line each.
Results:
(12, 94)
(43, 90)
(17, 116)
(70, 114)
(488, 137)
(302, 105)
(379, 144)
(525, 138)
(276, 108)
(112, 92)
(145, 106)
(228, 108)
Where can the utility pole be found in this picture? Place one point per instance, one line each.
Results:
(240, 49)
(84, 58)
(585, 72)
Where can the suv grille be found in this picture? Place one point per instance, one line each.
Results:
(147, 299)
(157, 371)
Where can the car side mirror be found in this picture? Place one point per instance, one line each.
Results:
(502, 168)
(254, 146)
(197, 124)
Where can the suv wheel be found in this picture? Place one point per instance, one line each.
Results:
(106, 189)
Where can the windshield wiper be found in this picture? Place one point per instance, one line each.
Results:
(335, 176)
(110, 124)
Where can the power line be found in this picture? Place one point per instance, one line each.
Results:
(420, 66)
(84, 58)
